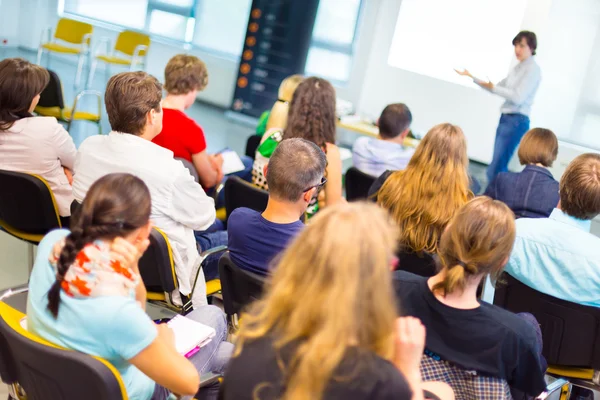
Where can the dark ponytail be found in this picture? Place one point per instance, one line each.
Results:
(115, 205)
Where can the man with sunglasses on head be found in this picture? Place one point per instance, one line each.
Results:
(295, 174)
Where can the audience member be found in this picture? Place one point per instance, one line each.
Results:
(38, 145)
(276, 118)
(424, 197)
(185, 76)
(476, 347)
(375, 156)
(86, 294)
(294, 173)
(558, 255)
(533, 192)
(311, 117)
(179, 205)
(326, 327)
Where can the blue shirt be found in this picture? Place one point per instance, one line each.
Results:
(531, 193)
(114, 328)
(559, 257)
(254, 241)
(374, 156)
(519, 87)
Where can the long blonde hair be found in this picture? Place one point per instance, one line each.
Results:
(279, 112)
(331, 290)
(424, 197)
(478, 242)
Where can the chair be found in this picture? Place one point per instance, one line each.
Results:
(133, 45)
(357, 184)
(28, 209)
(571, 331)
(252, 144)
(157, 269)
(70, 31)
(52, 104)
(47, 371)
(240, 287)
(239, 193)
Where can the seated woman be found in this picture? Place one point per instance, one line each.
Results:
(87, 295)
(424, 197)
(312, 117)
(489, 346)
(38, 145)
(326, 328)
(276, 117)
(185, 76)
(533, 192)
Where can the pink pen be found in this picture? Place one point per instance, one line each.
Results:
(192, 352)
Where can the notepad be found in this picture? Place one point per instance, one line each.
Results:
(231, 162)
(190, 335)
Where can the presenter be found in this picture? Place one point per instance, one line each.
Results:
(519, 89)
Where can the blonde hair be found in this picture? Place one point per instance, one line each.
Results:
(477, 242)
(279, 112)
(539, 145)
(342, 258)
(185, 73)
(424, 197)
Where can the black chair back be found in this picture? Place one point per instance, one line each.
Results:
(571, 331)
(47, 372)
(27, 204)
(357, 184)
(239, 193)
(52, 95)
(252, 144)
(157, 267)
(239, 287)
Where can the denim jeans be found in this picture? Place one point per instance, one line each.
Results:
(511, 128)
(207, 240)
(211, 358)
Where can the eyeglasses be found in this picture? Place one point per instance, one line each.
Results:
(318, 185)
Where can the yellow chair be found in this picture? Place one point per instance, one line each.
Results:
(76, 34)
(52, 104)
(133, 45)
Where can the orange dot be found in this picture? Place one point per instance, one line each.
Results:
(245, 68)
(251, 41)
(242, 82)
(256, 13)
(253, 27)
(248, 54)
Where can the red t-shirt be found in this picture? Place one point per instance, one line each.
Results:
(180, 134)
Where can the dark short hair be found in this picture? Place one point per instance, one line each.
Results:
(185, 73)
(538, 146)
(580, 187)
(20, 82)
(529, 37)
(394, 119)
(129, 98)
(295, 165)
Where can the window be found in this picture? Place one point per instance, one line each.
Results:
(330, 54)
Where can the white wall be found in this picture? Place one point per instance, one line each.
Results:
(9, 22)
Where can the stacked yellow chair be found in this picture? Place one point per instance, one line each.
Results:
(76, 36)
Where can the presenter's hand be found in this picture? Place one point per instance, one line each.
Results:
(487, 85)
(463, 72)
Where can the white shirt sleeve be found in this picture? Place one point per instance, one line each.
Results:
(524, 86)
(64, 146)
(190, 205)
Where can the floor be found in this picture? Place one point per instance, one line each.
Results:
(220, 131)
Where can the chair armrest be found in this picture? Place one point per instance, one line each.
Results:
(5, 294)
(209, 378)
(553, 388)
(212, 251)
(82, 94)
(87, 40)
(138, 49)
(102, 41)
(45, 35)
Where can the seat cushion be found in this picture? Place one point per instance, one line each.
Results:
(114, 60)
(58, 48)
(81, 115)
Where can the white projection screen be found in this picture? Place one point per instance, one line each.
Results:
(434, 36)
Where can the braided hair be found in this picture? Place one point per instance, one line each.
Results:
(115, 205)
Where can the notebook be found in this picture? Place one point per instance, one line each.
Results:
(231, 162)
(190, 335)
